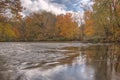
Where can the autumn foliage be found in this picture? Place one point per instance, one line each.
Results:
(42, 26)
(68, 29)
(89, 24)
(102, 24)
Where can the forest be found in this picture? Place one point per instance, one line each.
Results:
(102, 24)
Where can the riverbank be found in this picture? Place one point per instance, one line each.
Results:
(65, 41)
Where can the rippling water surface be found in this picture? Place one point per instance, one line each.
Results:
(59, 61)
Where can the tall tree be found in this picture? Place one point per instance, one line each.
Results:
(106, 16)
(41, 26)
(7, 32)
(89, 30)
(12, 6)
(68, 29)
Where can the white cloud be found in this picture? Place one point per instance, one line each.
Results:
(57, 8)
(44, 5)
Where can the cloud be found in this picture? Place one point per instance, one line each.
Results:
(76, 7)
(55, 6)
(42, 5)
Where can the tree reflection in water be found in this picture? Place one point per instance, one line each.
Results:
(106, 61)
(91, 62)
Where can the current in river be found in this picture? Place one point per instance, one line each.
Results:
(59, 61)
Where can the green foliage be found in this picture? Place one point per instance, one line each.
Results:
(102, 24)
(6, 32)
(106, 17)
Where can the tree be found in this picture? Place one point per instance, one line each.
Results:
(7, 32)
(89, 30)
(41, 26)
(12, 6)
(107, 17)
(68, 29)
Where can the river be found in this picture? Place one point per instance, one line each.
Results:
(59, 61)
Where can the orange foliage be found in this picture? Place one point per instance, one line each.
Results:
(67, 27)
(89, 27)
(16, 30)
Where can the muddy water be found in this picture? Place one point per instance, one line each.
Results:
(59, 61)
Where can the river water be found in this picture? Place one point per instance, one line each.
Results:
(59, 61)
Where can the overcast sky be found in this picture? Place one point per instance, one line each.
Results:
(55, 6)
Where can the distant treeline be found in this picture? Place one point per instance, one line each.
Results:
(102, 24)
(40, 27)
